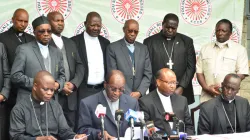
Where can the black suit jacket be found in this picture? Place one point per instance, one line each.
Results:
(80, 44)
(212, 119)
(183, 57)
(11, 42)
(4, 73)
(153, 110)
(76, 70)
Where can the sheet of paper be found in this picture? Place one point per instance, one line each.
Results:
(80, 138)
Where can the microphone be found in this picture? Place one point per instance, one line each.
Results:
(140, 116)
(100, 112)
(131, 116)
(170, 117)
(119, 115)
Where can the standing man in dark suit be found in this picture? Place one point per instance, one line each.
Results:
(164, 99)
(91, 47)
(112, 98)
(169, 49)
(12, 38)
(132, 58)
(73, 66)
(35, 56)
(4, 93)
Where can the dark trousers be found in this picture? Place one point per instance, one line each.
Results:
(4, 121)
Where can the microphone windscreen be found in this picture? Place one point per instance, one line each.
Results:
(100, 110)
(130, 114)
(119, 112)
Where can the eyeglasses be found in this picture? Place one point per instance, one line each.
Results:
(131, 31)
(169, 83)
(43, 31)
(113, 89)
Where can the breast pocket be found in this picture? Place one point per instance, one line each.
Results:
(207, 63)
(229, 63)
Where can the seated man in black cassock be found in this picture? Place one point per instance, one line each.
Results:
(38, 117)
(226, 113)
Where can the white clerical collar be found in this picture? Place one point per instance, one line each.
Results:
(230, 101)
(221, 45)
(86, 35)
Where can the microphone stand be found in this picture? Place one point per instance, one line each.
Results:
(142, 126)
(132, 127)
(102, 132)
(118, 127)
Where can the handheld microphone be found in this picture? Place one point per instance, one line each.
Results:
(140, 117)
(151, 129)
(170, 117)
(100, 111)
(119, 115)
(131, 116)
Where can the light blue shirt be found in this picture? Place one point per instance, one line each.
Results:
(112, 105)
(44, 49)
(131, 47)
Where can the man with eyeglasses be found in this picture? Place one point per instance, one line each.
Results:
(35, 56)
(132, 58)
(112, 98)
(164, 99)
(226, 113)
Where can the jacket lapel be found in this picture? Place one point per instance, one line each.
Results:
(53, 57)
(136, 54)
(123, 105)
(176, 49)
(69, 53)
(126, 55)
(38, 54)
(240, 112)
(104, 102)
(174, 104)
(221, 116)
(83, 49)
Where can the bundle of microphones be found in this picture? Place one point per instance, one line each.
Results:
(136, 119)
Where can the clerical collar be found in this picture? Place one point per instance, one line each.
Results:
(107, 98)
(36, 101)
(168, 39)
(127, 43)
(226, 101)
(18, 33)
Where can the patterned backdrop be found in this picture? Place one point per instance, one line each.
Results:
(197, 17)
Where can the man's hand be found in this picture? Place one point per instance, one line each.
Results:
(179, 90)
(68, 88)
(213, 90)
(78, 136)
(106, 136)
(46, 138)
(136, 95)
(1, 98)
(56, 86)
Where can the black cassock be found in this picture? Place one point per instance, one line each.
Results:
(183, 57)
(24, 126)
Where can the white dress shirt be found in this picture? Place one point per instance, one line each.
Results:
(58, 41)
(167, 105)
(95, 59)
(112, 105)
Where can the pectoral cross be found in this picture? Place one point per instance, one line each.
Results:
(170, 64)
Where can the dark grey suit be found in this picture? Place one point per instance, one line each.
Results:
(118, 58)
(5, 91)
(89, 123)
(153, 109)
(76, 69)
(212, 119)
(29, 61)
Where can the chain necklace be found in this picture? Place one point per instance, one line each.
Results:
(234, 131)
(47, 133)
(170, 63)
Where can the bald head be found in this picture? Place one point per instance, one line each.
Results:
(56, 21)
(230, 86)
(128, 22)
(114, 74)
(20, 20)
(51, 15)
(43, 87)
(165, 72)
(40, 76)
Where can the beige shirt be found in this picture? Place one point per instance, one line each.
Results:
(216, 62)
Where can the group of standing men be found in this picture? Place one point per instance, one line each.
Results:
(80, 65)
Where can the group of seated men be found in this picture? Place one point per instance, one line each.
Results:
(47, 80)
